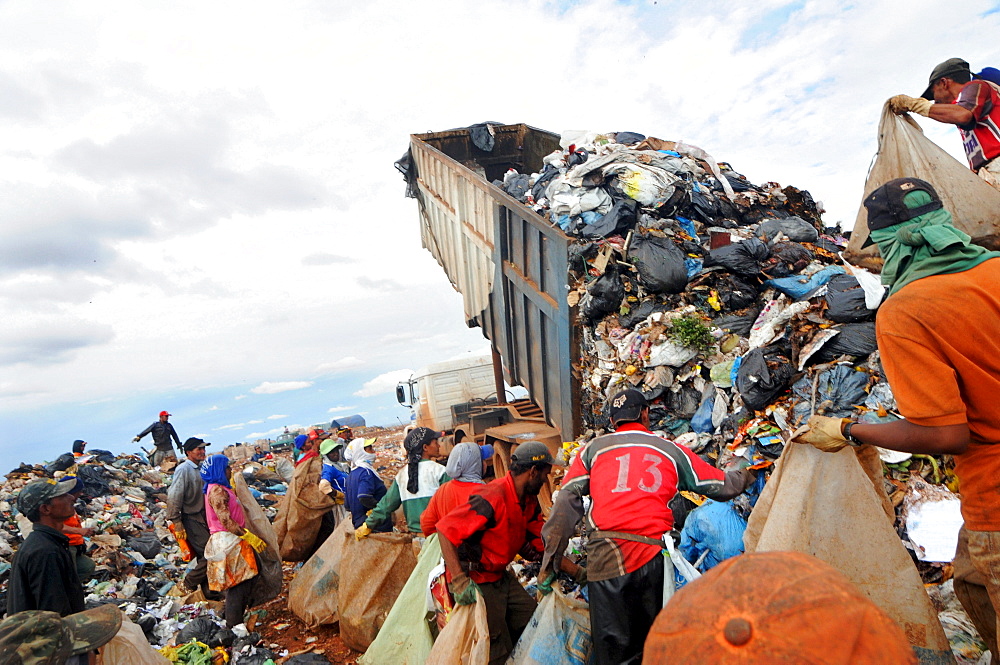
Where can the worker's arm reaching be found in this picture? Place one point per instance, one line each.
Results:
(827, 434)
(949, 113)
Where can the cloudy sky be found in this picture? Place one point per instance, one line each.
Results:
(199, 208)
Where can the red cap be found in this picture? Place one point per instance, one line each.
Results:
(164, 413)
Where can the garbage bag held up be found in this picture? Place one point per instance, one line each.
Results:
(904, 151)
(312, 594)
(825, 505)
(715, 528)
(558, 633)
(659, 262)
(372, 574)
(466, 638)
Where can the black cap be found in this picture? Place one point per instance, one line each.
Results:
(626, 406)
(949, 68)
(193, 443)
(532, 453)
(886, 208)
(419, 437)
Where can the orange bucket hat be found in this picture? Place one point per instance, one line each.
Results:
(775, 607)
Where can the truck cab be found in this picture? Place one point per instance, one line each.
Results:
(442, 395)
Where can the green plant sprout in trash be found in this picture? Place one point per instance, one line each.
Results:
(691, 332)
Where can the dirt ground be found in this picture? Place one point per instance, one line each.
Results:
(282, 627)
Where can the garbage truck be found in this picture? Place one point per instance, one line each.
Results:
(511, 266)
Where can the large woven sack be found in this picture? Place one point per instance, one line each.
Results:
(824, 504)
(904, 151)
(312, 595)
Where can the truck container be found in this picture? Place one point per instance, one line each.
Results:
(511, 266)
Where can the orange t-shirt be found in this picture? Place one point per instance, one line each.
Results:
(74, 538)
(939, 339)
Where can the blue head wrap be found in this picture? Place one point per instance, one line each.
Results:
(300, 441)
(213, 471)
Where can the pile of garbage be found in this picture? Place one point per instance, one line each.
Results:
(139, 566)
(730, 306)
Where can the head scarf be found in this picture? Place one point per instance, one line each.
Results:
(925, 246)
(414, 445)
(465, 463)
(78, 445)
(213, 471)
(300, 441)
(358, 456)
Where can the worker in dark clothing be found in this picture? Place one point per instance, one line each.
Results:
(162, 432)
(630, 489)
(43, 576)
(484, 534)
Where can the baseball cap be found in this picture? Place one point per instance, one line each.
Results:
(532, 452)
(949, 68)
(34, 494)
(164, 413)
(775, 607)
(626, 406)
(35, 637)
(193, 443)
(886, 206)
(419, 437)
(329, 445)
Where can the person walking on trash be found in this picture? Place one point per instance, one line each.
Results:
(304, 520)
(413, 486)
(465, 468)
(938, 336)
(162, 432)
(483, 535)
(186, 512)
(631, 476)
(364, 487)
(954, 97)
(224, 513)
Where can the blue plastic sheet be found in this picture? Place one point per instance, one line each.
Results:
(715, 528)
(701, 422)
(800, 286)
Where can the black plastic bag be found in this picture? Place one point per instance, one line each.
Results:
(146, 544)
(743, 258)
(517, 186)
(795, 229)
(408, 168)
(659, 262)
(845, 300)
(683, 403)
(222, 638)
(542, 182)
(102, 456)
(629, 137)
(764, 373)
(61, 463)
(482, 136)
(619, 220)
(704, 207)
(787, 258)
(201, 629)
(737, 323)
(579, 255)
(259, 656)
(838, 391)
(95, 480)
(855, 339)
(606, 295)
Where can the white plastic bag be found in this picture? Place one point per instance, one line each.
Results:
(675, 561)
(130, 646)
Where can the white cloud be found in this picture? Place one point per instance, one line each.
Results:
(277, 417)
(234, 426)
(254, 422)
(273, 387)
(349, 362)
(240, 397)
(213, 408)
(342, 409)
(383, 383)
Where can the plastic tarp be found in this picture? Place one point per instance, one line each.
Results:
(558, 633)
(826, 505)
(129, 646)
(904, 151)
(466, 638)
(267, 585)
(312, 594)
(405, 638)
(372, 575)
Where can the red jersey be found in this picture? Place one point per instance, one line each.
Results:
(491, 527)
(631, 475)
(448, 497)
(981, 137)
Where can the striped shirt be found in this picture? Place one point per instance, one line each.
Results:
(980, 138)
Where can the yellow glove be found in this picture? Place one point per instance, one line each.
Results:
(900, 104)
(362, 532)
(338, 497)
(179, 532)
(253, 541)
(823, 433)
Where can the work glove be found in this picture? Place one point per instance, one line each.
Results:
(545, 587)
(253, 541)
(900, 104)
(823, 433)
(362, 532)
(581, 575)
(338, 497)
(179, 532)
(463, 589)
(136, 438)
